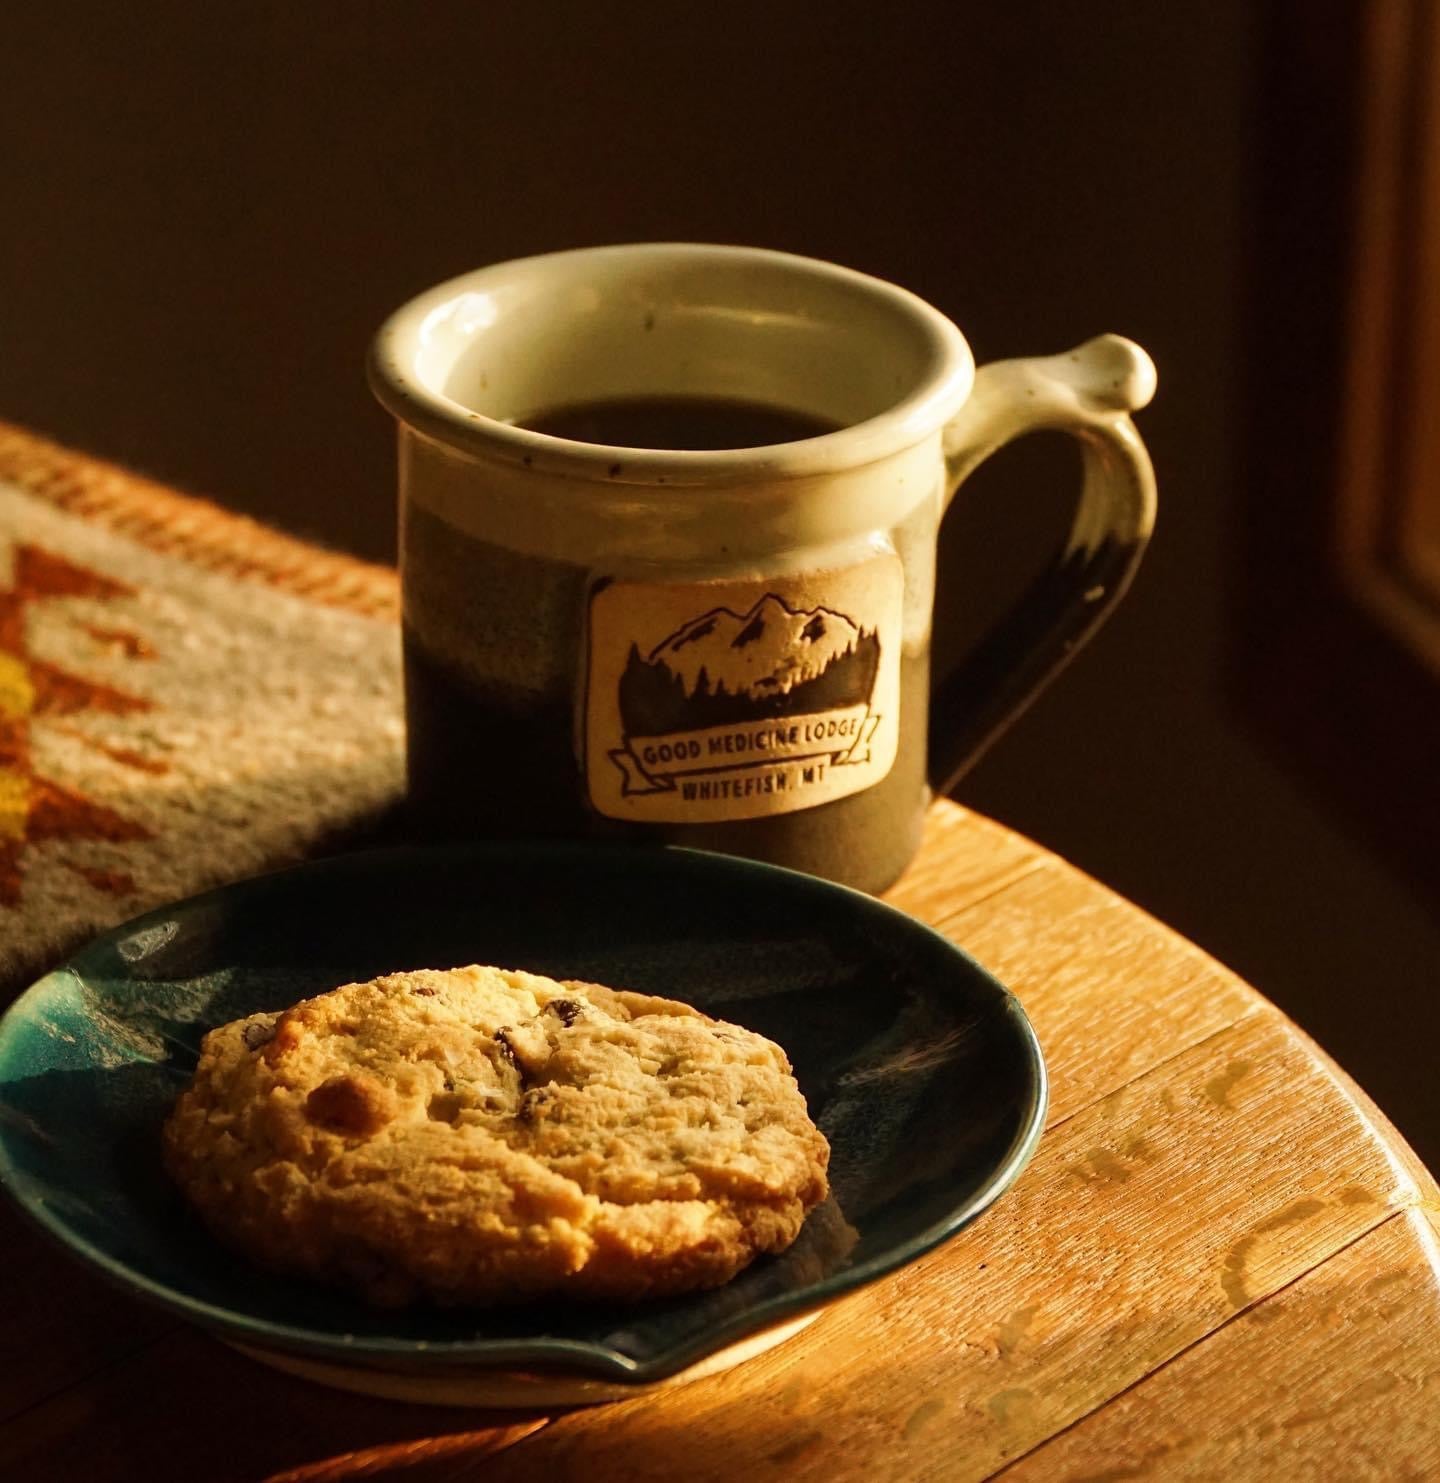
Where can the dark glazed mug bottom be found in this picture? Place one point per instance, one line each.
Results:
(488, 762)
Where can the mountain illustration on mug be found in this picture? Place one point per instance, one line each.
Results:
(724, 668)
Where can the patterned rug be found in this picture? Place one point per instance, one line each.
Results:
(185, 697)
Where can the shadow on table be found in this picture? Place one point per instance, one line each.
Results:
(186, 1407)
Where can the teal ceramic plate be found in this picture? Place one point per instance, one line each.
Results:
(918, 1066)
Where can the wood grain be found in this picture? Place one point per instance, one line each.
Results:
(424, 1460)
(1204, 1166)
(964, 858)
(64, 1324)
(1110, 991)
(1350, 1356)
(1145, 1222)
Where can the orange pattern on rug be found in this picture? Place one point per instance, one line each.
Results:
(33, 808)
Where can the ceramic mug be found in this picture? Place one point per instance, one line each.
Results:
(726, 648)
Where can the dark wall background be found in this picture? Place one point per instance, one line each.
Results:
(209, 210)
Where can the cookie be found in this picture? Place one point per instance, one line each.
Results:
(479, 1135)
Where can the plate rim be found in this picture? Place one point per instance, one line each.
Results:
(587, 1357)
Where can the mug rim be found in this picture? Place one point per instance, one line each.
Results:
(938, 393)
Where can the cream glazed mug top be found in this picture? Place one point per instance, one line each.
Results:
(723, 648)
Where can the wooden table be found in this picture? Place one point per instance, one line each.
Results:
(1222, 1262)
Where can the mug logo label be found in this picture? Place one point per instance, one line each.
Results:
(732, 700)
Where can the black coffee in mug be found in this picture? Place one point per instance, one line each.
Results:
(668, 527)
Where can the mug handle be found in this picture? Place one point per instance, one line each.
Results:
(1087, 392)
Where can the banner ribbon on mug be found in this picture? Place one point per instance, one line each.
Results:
(785, 751)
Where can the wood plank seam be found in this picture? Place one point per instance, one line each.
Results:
(1062, 868)
(1249, 1013)
(987, 893)
(958, 821)
(1059, 1318)
(1129, 996)
(1203, 967)
(1001, 884)
(383, 1459)
(1395, 1212)
(1376, 1123)
(89, 1375)
(1192, 1047)
(114, 1362)
(1219, 1031)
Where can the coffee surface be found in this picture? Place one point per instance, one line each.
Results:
(690, 423)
